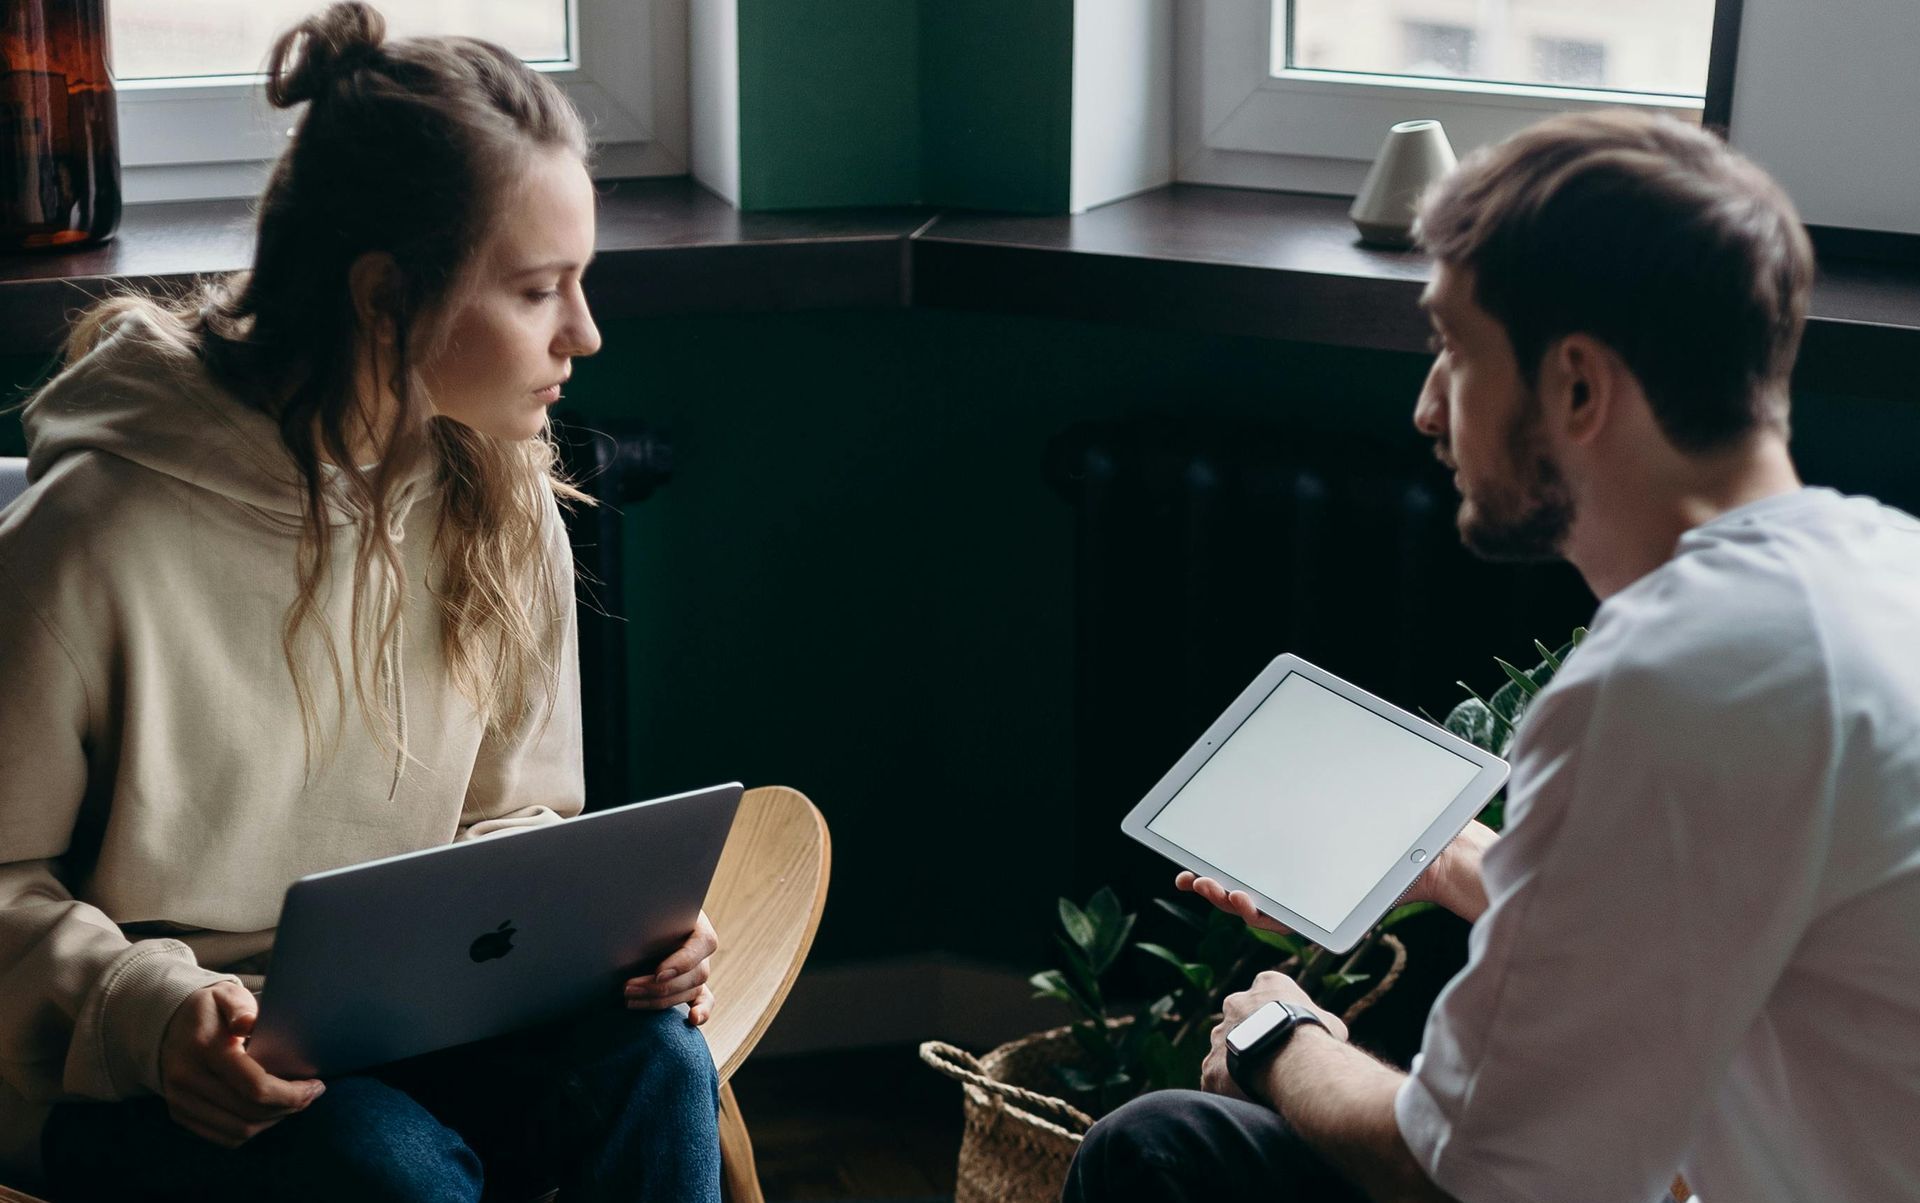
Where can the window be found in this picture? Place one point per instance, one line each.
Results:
(1299, 93)
(1436, 50)
(194, 123)
(162, 39)
(1570, 62)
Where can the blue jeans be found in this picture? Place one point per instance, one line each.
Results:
(612, 1104)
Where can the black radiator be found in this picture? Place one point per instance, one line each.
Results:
(617, 463)
(1202, 549)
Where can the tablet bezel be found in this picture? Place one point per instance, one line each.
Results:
(1447, 824)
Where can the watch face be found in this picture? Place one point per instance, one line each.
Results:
(1250, 1030)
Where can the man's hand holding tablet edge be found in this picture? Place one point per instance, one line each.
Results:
(1311, 806)
(1452, 882)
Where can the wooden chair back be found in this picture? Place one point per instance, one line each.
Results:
(765, 901)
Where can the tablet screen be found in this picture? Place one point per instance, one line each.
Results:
(1313, 799)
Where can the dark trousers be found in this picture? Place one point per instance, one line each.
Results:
(1173, 1146)
(614, 1104)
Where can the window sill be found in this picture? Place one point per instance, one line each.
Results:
(1220, 260)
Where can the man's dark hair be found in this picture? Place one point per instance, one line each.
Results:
(1650, 235)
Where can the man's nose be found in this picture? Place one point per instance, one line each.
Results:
(1429, 411)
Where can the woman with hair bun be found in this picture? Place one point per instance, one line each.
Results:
(290, 591)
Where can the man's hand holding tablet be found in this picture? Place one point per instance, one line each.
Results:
(1451, 882)
(1313, 806)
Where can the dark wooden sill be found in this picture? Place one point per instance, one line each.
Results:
(664, 246)
(1224, 260)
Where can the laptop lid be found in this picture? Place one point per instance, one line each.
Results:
(429, 949)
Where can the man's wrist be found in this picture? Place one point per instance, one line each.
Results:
(1273, 1077)
(1464, 890)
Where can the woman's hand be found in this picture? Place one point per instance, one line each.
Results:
(1452, 881)
(681, 978)
(212, 1087)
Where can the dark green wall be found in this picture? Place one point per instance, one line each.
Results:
(893, 102)
(997, 103)
(829, 103)
(857, 583)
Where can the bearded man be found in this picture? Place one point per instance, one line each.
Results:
(1696, 948)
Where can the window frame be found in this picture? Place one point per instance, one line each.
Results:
(1317, 131)
(202, 139)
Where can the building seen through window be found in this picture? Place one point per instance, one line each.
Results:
(1657, 46)
(162, 39)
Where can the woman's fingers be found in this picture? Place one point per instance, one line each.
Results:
(702, 942)
(679, 986)
(700, 1009)
(660, 1002)
(234, 1080)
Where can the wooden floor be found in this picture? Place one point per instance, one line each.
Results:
(869, 1124)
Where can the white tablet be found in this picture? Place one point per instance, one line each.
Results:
(1320, 800)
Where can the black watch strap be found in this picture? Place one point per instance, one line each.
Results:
(1260, 1037)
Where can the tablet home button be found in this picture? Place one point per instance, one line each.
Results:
(1419, 856)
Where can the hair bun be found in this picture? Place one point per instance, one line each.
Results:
(326, 47)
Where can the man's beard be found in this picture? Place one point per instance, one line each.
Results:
(1525, 517)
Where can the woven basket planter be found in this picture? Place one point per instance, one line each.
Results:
(1019, 1139)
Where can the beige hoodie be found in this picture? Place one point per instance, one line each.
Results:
(155, 797)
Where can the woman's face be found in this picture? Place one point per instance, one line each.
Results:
(515, 331)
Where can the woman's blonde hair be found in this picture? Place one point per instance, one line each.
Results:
(408, 148)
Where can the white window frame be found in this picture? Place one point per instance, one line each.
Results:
(1317, 131)
(209, 138)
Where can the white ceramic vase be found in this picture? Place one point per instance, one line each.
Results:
(1415, 154)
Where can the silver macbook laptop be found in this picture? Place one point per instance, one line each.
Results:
(417, 952)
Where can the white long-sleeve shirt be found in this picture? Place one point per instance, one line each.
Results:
(1702, 952)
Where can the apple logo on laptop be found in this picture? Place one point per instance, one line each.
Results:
(496, 943)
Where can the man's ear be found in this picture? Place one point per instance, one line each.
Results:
(374, 284)
(1579, 371)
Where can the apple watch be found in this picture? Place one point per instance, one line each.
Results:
(1255, 1040)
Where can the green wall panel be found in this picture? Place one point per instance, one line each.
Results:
(884, 102)
(997, 98)
(829, 103)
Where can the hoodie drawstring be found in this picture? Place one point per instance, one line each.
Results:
(392, 676)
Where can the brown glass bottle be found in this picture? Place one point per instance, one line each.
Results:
(59, 129)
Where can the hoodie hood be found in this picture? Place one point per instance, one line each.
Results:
(142, 394)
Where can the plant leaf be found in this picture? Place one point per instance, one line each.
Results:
(1474, 721)
(1079, 927)
(1493, 708)
(1094, 1044)
(1161, 1061)
(1182, 913)
(1273, 939)
(1103, 908)
(1519, 678)
(1077, 1080)
(1548, 658)
(1579, 634)
(1200, 977)
(1079, 979)
(1051, 985)
(1110, 939)
(1339, 981)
